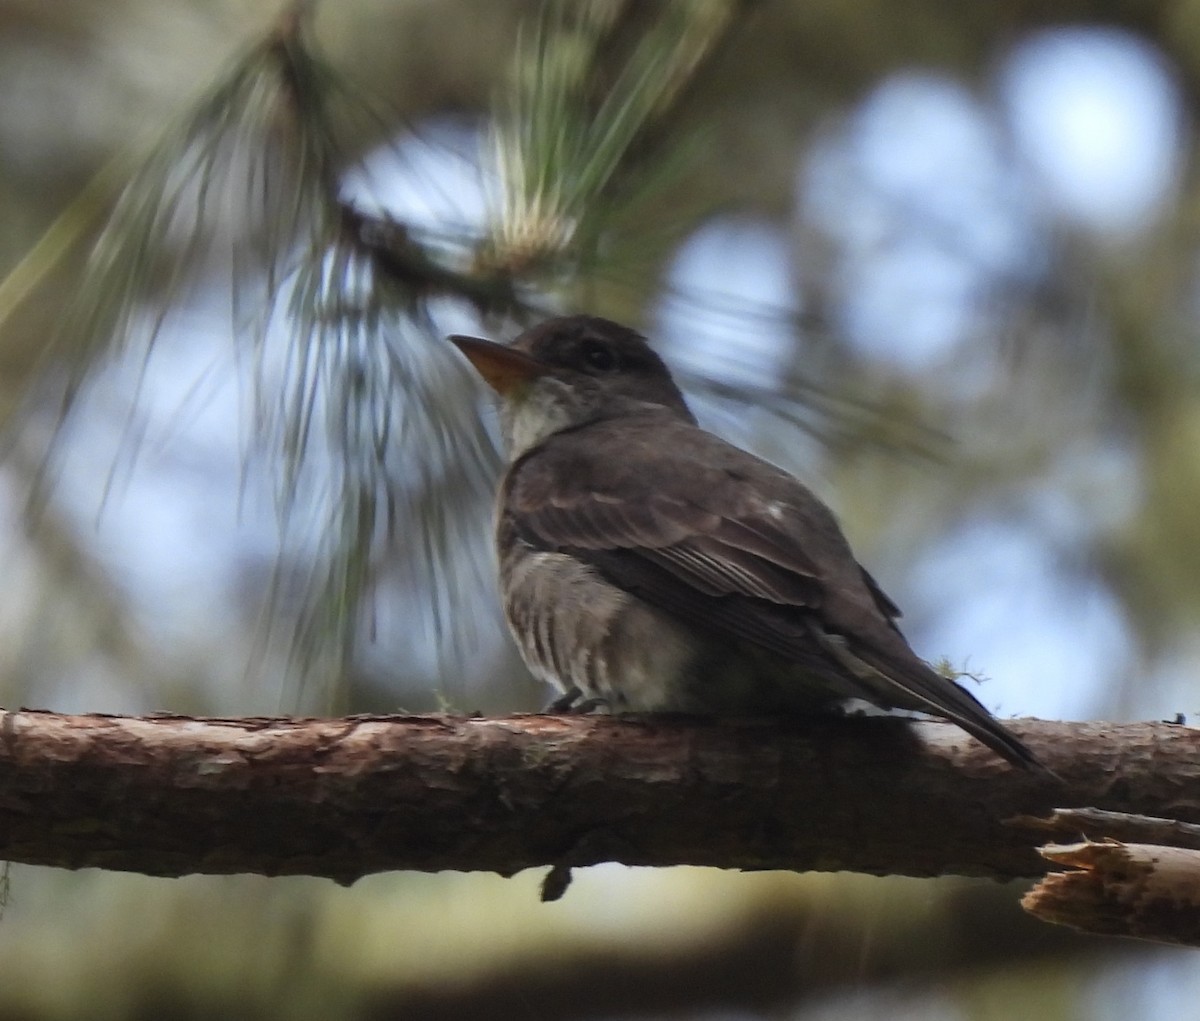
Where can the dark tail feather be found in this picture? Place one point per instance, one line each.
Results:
(932, 693)
(999, 739)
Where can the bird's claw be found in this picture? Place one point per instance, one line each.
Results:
(565, 702)
(572, 701)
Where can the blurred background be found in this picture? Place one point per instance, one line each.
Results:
(939, 259)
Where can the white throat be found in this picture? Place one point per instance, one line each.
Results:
(545, 409)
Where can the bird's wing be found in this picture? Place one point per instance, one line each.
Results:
(732, 544)
(710, 519)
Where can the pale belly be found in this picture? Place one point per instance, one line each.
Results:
(576, 630)
(573, 629)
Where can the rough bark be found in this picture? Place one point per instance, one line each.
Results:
(169, 795)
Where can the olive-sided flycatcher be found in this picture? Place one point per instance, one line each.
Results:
(650, 566)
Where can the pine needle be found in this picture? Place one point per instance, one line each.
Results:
(593, 121)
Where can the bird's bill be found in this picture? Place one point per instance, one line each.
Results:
(504, 368)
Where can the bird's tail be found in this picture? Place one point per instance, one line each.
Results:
(907, 682)
(941, 696)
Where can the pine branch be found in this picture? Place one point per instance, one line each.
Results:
(171, 795)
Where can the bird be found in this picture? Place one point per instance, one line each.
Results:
(648, 566)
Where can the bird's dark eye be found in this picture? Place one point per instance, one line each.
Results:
(598, 356)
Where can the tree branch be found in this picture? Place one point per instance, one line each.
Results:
(1147, 891)
(169, 795)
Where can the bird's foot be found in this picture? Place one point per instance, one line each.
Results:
(565, 702)
(572, 701)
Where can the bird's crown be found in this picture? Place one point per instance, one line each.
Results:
(618, 357)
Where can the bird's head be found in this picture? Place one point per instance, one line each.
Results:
(566, 372)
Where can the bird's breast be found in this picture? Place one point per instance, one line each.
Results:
(574, 628)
